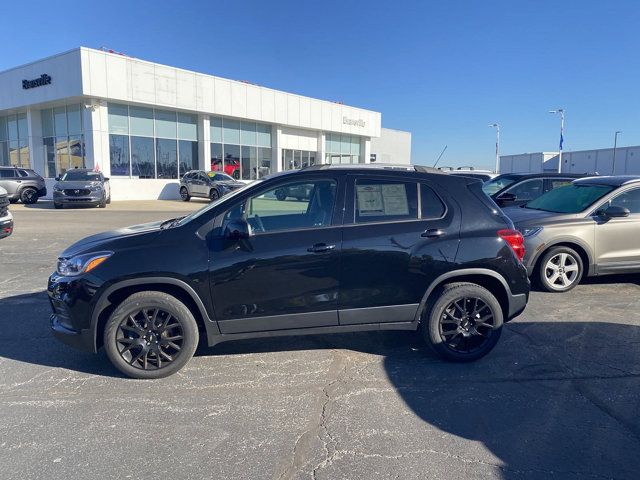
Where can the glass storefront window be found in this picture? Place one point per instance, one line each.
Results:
(60, 120)
(12, 127)
(118, 119)
(3, 129)
(166, 125)
(216, 130)
(231, 132)
(248, 133)
(49, 156)
(62, 154)
(187, 126)
(342, 148)
(216, 157)
(119, 155)
(142, 157)
(4, 154)
(232, 160)
(76, 151)
(188, 151)
(166, 158)
(74, 119)
(141, 121)
(61, 151)
(294, 159)
(47, 123)
(264, 161)
(249, 164)
(264, 135)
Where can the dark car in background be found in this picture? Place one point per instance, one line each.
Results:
(81, 186)
(515, 189)
(370, 249)
(211, 185)
(589, 227)
(22, 184)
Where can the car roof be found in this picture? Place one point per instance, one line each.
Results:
(85, 170)
(521, 176)
(612, 181)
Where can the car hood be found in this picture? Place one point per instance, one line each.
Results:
(77, 185)
(145, 232)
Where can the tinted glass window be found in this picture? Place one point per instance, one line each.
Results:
(527, 190)
(498, 183)
(430, 203)
(82, 176)
(630, 200)
(571, 198)
(385, 201)
(290, 206)
(560, 182)
(7, 174)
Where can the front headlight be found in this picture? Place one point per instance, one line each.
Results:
(97, 188)
(70, 267)
(531, 231)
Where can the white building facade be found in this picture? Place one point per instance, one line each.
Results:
(144, 124)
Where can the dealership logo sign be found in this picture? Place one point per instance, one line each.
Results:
(38, 82)
(355, 123)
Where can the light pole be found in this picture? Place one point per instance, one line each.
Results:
(497, 127)
(615, 145)
(561, 112)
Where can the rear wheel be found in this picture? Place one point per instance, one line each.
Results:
(150, 335)
(184, 194)
(57, 205)
(560, 270)
(214, 195)
(29, 195)
(281, 194)
(464, 323)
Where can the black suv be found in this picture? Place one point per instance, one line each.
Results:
(515, 189)
(22, 184)
(371, 249)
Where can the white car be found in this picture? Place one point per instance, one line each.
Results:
(6, 219)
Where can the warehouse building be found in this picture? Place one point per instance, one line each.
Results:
(144, 124)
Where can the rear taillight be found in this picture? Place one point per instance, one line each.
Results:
(515, 240)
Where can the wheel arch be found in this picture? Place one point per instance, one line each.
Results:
(489, 279)
(586, 255)
(116, 293)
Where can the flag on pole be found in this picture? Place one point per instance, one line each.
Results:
(561, 141)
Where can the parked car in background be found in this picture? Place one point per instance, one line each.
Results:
(81, 186)
(211, 185)
(6, 219)
(515, 189)
(589, 227)
(22, 184)
(299, 192)
(250, 266)
(470, 172)
(231, 167)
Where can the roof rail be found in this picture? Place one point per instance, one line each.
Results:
(373, 166)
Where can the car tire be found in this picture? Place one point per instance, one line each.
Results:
(214, 195)
(281, 195)
(103, 202)
(451, 325)
(559, 270)
(29, 196)
(184, 194)
(108, 199)
(132, 343)
(236, 174)
(57, 205)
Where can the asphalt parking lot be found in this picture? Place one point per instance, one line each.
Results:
(559, 397)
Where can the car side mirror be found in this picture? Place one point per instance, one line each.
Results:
(506, 198)
(106, 179)
(615, 211)
(238, 229)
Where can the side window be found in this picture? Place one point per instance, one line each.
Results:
(529, 190)
(559, 182)
(7, 173)
(431, 205)
(385, 200)
(203, 178)
(630, 200)
(290, 206)
(23, 173)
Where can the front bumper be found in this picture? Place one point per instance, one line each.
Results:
(71, 299)
(6, 226)
(94, 198)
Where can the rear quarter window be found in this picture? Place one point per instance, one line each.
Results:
(431, 205)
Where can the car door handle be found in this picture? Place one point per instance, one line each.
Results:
(432, 233)
(320, 247)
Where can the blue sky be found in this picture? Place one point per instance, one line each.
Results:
(443, 70)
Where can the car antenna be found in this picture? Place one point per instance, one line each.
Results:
(439, 157)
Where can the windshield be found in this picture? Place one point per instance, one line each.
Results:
(80, 176)
(226, 197)
(498, 183)
(572, 198)
(220, 177)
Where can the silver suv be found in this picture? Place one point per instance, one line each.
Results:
(589, 227)
(22, 184)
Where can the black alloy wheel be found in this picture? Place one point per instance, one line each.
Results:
(214, 195)
(150, 335)
(150, 338)
(184, 194)
(29, 196)
(281, 195)
(464, 323)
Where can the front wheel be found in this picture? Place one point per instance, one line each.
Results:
(29, 196)
(281, 195)
(214, 195)
(560, 270)
(184, 194)
(150, 335)
(464, 323)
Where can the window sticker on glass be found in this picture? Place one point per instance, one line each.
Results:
(389, 199)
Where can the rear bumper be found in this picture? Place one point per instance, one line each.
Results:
(517, 304)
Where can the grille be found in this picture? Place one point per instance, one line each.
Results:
(75, 192)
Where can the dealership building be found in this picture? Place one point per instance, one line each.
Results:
(144, 124)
